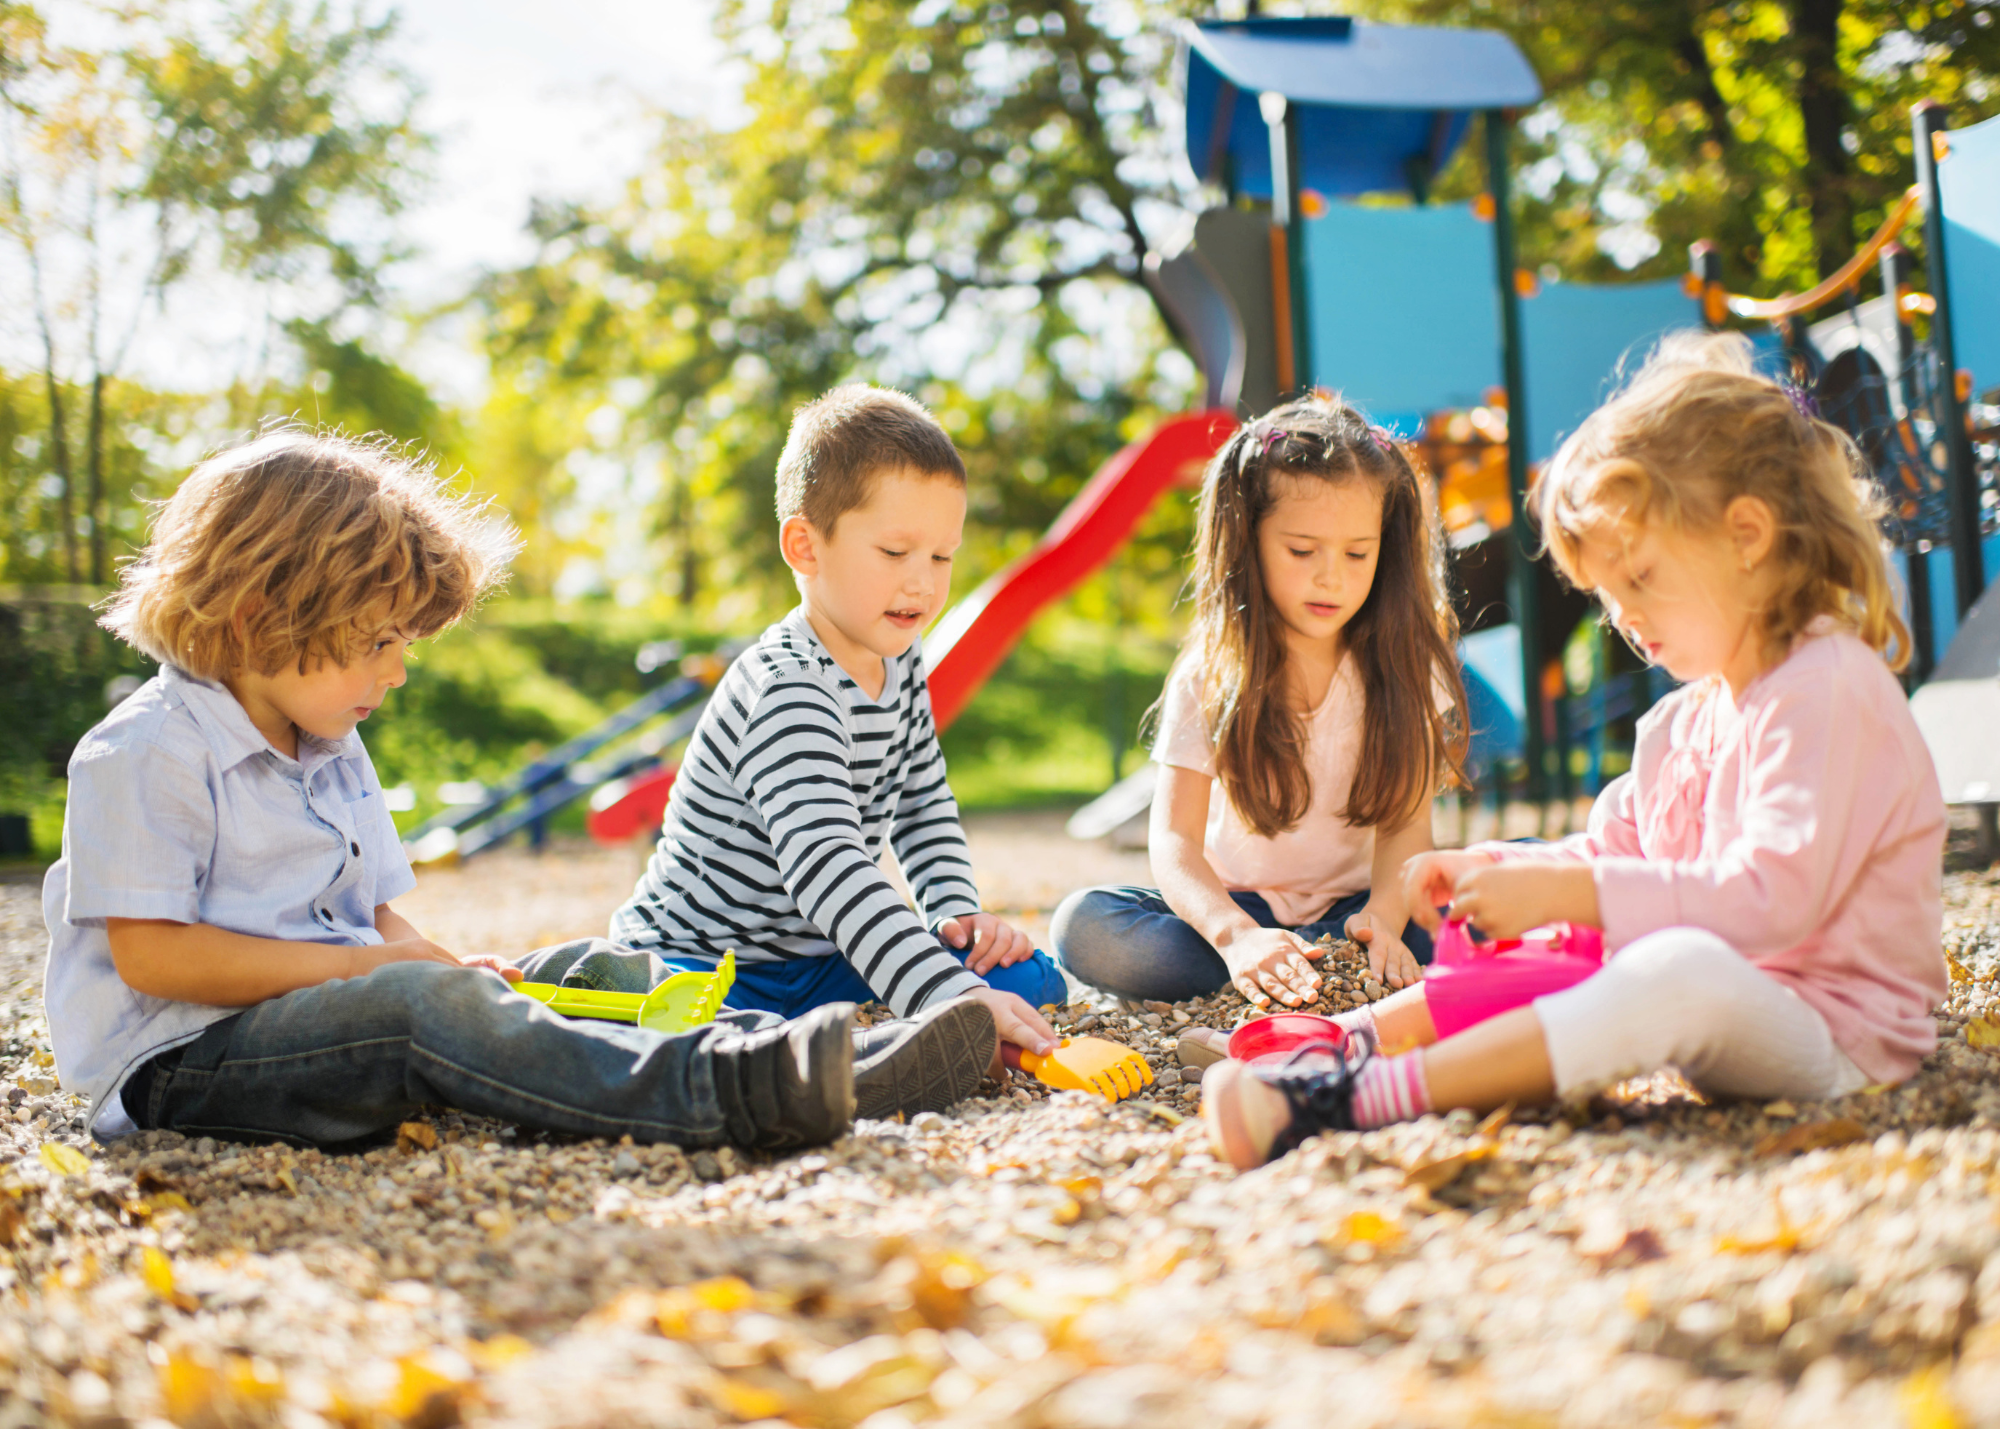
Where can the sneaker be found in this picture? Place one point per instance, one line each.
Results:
(923, 1063)
(790, 1085)
(1257, 1114)
(1202, 1047)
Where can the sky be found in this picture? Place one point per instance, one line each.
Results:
(524, 99)
(532, 99)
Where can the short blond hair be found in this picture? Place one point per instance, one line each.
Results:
(1696, 427)
(301, 547)
(841, 442)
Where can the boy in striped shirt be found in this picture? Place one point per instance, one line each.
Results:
(819, 745)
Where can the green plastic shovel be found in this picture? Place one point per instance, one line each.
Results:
(682, 1003)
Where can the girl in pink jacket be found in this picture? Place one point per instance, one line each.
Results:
(1767, 878)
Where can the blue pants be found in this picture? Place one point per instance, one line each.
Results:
(788, 988)
(1129, 942)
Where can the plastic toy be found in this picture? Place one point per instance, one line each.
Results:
(1469, 982)
(682, 1003)
(1277, 1037)
(1085, 1064)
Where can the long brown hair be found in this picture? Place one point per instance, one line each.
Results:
(1401, 639)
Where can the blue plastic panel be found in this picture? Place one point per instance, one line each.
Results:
(1370, 97)
(1970, 179)
(1401, 306)
(1576, 338)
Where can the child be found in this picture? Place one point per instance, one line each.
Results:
(1768, 876)
(224, 959)
(1317, 689)
(818, 746)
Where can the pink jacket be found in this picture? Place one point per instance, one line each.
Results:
(1807, 829)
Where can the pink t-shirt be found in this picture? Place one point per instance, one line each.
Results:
(1805, 828)
(1301, 872)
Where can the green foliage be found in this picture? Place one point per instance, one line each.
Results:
(1779, 130)
(54, 665)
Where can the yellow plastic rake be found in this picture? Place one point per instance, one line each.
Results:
(682, 1003)
(1086, 1064)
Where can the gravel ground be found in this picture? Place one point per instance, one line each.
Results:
(1034, 1258)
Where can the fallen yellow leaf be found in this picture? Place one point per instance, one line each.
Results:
(64, 1160)
(156, 1272)
(1983, 1032)
(415, 1135)
(421, 1393)
(1813, 1136)
(1436, 1175)
(1926, 1397)
(168, 1201)
(1369, 1228)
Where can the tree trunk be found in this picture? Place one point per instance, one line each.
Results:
(1822, 95)
(98, 575)
(59, 458)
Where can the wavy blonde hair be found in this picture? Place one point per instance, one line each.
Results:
(300, 547)
(1695, 428)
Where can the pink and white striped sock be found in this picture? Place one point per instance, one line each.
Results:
(1391, 1089)
(1361, 1020)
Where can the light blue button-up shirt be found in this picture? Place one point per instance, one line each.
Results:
(180, 809)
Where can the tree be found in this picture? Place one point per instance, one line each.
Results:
(954, 198)
(238, 138)
(1778, 129)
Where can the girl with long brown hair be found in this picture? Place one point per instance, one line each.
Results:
(1319, 689)
(1767, 876)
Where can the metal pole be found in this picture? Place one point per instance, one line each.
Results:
(1927, 121)
(1895, 268)
(1523, 593)
(1295, 251)
(1283, 129)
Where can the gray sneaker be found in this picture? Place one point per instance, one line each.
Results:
(923, 1063)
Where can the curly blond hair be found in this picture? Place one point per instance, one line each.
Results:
(1695, 428)
(301, 547)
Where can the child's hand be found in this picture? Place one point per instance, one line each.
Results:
(1018, 1023)
(1389, 961)
(1272, 962)
(993, 943)
(1430, 881)
(1505, 900)
(423, 950)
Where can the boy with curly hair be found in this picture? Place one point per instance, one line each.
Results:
(225, 959)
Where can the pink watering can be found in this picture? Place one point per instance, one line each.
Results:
(1469, 982)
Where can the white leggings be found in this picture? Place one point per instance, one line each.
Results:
(1683, 998)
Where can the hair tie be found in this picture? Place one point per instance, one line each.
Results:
(1802, 400)
(1273, 437)
(1382, 437)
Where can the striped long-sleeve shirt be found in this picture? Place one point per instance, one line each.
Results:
(773, 831)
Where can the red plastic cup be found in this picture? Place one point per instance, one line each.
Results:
(1277, 1037)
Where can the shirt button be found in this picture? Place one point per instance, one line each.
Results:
(354, 849)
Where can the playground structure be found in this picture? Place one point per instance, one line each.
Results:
(1417, 312)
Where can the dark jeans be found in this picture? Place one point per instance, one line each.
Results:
(1127, 941)
(353, 1057)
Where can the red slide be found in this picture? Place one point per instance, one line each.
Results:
(976, 634)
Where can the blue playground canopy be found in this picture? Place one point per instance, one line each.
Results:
(1378, 103)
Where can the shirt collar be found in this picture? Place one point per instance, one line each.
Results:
(801, 623)
(226, 726)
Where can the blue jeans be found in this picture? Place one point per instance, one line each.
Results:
(1127, 941)
(353, 1057)
(788, 989)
